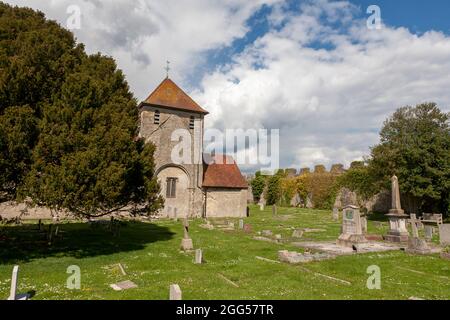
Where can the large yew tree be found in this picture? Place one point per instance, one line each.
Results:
(68, 123)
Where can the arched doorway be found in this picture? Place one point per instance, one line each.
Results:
(174, 183)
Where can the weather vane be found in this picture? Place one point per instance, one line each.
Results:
(167, 68)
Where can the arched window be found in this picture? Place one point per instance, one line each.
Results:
(192, 122)
(156, 117)
(171, 187)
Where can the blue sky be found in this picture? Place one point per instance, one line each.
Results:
(417, 16)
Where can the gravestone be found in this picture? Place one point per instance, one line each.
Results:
(261, 207)
(247, 228)
(175, 292)
(335, 213)
(351, 227)
(295, 257)
(364, 224)
(198, 256)
(274, 209)
(428, 229)
(444, 234)
(124, 285)
(415, 231)
(397, 217)
(186, 242)
(241, 223)
(297, 233)
(266, 233)
(13, 291)
(415, 244)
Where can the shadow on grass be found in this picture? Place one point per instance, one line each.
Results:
(78, 240)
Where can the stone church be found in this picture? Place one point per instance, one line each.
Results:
(197, 188)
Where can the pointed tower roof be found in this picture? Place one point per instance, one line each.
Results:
(171, 96)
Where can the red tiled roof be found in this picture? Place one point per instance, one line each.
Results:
(222, 172)
(169, 95)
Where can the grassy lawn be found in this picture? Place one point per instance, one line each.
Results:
(152, 259)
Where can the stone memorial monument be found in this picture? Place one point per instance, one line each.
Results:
(351, 227)
(186, 242)
(397, 217)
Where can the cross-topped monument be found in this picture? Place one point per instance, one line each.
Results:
(186, 242)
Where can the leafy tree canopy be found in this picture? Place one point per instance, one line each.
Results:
(74, 120)
(415, 144)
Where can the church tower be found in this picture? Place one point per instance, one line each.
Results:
(167, 112)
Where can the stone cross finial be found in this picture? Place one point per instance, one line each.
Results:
(415, 232)
(167, 68)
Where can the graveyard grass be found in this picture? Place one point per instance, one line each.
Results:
(152, 259)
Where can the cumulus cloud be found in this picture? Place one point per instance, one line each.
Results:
(141, 35)
(318, 74)
(326, 81)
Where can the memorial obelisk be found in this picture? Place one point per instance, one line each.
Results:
(397, 217)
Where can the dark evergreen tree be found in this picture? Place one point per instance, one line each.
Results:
(71, 120)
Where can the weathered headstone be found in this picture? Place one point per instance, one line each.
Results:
(13, 291)
(274, 209)
(428, 229)
(121, 268)
(415, 244)
(415, 231)
(351, 227)
(175, 292)
(266, 233)
(335, 213)
(247, 228)
(186, 242)
(261, 206)
(124, 285)
(364, 224)
(397, 217)
(198, 256)
(241, 223)
(297, 233)
(444, 234)
(295, 257)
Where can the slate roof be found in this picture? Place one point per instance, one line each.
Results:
(169, 95)
(222, 172)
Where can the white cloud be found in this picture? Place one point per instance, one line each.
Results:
(328, 104)
(141, 35)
